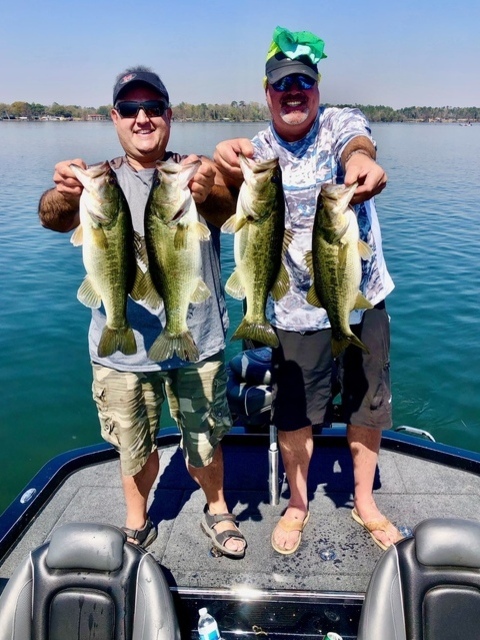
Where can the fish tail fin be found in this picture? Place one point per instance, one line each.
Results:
(117, 340)
(339, 345)
(256, 331)
(168, 344)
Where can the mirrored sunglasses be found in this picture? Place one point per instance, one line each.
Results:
(286, 83)
(130, 108)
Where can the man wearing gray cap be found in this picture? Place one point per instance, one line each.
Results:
(317, 145)
(129, 388)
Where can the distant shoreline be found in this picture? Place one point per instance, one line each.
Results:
(237, 112)
(462, 123)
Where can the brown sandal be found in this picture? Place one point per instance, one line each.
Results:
(218, 539)
(376, 525)
(288, 526)
(142, 537)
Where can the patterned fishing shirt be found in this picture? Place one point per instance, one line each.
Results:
(306, 164)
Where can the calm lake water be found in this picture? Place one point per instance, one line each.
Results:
(431, 232)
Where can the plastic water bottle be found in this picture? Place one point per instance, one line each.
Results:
(207, 626)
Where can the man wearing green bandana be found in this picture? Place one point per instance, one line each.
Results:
(316, 145)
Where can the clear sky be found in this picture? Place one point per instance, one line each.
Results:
(399, 54)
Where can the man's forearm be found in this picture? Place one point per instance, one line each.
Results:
(219, 205)
(359, 144)
(57, 212)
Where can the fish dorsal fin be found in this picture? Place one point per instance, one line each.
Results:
(309, 262)
(234, 286)
(77, 236)
(144, 289)
(364, 250)
(140, 248)
(312, 298)
(361, 302)
(88, 295)
(287, 239)
(201, 293)
(282, 283)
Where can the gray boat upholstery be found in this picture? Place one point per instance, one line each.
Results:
(426, 587)
(88, 582)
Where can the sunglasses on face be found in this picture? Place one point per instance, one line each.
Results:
(152, 108)
(286, 83)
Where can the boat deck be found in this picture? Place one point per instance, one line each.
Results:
(407, 489)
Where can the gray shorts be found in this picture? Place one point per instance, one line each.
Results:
(129, 406)
(306, 379)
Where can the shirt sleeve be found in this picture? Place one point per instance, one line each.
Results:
(347, 124)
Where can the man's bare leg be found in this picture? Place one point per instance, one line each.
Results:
(364, 445)
(137, 490)
(296, 448)
(210, 479)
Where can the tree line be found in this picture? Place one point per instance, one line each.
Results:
(239, 112)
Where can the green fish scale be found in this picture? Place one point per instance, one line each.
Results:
(112, 269)
(174, 272)
(261, 244)
(332, 282)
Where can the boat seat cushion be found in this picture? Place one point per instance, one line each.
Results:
(80, 546)
(426, 587)
(443, 541)
(88, 579)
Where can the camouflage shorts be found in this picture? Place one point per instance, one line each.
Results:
(129, 405)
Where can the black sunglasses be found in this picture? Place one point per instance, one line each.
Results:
(286, 83)
(152, 108)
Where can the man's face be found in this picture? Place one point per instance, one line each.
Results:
(293, 110)
(143, 138)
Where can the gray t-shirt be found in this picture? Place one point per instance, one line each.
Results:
(207, 321)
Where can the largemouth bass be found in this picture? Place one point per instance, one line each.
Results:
(260, 238)
(106, 234)
(173, 234)
(335, 263)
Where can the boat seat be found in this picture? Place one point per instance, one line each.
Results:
(426, 587)
(249, 390)
(249, 394)
(88, 582)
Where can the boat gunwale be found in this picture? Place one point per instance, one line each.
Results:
(264, 595)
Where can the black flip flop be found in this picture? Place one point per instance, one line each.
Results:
(218, 539)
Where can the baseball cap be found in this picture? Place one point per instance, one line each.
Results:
(146, 77)
(279, 66)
